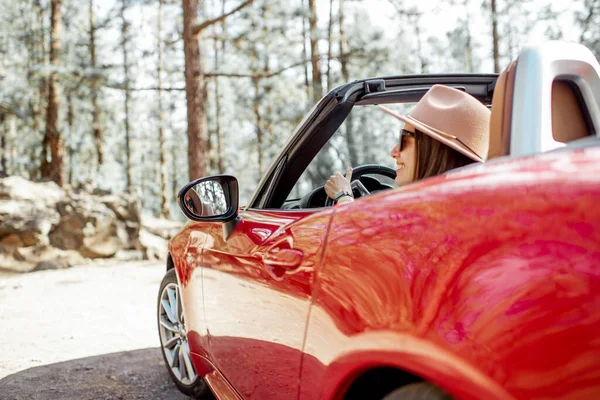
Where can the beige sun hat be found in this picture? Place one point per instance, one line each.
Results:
(453, 117)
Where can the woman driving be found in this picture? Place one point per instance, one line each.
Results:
(447, 129)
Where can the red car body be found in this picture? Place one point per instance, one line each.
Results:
(484, 281)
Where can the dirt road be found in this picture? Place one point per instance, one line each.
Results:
(68, 334)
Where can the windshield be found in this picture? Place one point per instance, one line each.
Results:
(367, 136)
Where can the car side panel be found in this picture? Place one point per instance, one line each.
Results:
(485, 281)
(256, 313)
(186, 251)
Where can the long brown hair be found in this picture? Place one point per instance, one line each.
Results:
(434, 158)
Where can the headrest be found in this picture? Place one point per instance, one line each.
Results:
(501, 113)
(568, 120)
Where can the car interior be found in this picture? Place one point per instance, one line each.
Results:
(373, 134)
(567, 117)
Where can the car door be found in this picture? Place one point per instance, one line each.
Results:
(257, 291)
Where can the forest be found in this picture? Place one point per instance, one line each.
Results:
(143, 96)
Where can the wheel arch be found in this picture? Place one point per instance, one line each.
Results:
(170, 263)
(376, 383)
(400, 359)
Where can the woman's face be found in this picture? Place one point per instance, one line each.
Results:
(405, 159)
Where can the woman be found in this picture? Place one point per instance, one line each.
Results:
(447, 129)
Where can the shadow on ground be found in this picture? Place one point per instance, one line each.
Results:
(138, 374)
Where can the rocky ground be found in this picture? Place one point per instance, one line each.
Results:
(43, 226)
(69, 334)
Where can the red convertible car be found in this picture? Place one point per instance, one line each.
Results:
(480, 283)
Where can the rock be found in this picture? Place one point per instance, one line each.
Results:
(17, 188)
(100, 247)
(18, 216)
(43, 226)
(128, 232)
(130, 255)
(33, 238)
(154, 246)
(164, 228)
(9, 263)
(89, 227)
(24, 239)
(126, 206)
(133, 233)
(46, 265)
(12, 240)
(35, 258)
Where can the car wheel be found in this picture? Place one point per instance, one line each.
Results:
(418, 391)
(173, 339)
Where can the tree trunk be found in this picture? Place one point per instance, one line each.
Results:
(349, 123)
(54, 139)
(12, 144)
(469, 50)
(422, 63)
(219, 55)
(259, 132)
(324, 161)
(218, 129)
(164, 193)
(124, 42)
(96, 128)
(469, 39)
(45, 164)
(141, 183)
(37, 102)
(495, 37)
(314, 52)
(71, 147)
(304, 51)
(194, 93)
(210, 152)
(343, 45)
(174, 154)
(3, 144)
(329, 45)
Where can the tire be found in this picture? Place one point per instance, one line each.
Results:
(418, 391)
(173, 340)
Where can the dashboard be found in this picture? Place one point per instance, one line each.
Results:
(317, 197)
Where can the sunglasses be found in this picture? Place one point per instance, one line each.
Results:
(404, 133)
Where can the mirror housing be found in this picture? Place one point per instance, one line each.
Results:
(213, 198)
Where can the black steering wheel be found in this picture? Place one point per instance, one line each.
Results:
(358, 172)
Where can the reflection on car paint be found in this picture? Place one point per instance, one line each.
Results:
(484, 281)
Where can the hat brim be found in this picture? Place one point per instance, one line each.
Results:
(429, 131)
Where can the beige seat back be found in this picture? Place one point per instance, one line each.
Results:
(548, 97)
(569, 120)
(501, 113)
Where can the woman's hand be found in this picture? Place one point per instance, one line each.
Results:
(336, 183)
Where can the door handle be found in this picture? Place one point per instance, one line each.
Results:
(287, 259)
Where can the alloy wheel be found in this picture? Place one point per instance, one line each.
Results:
(173, 335)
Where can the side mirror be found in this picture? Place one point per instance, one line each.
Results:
(214, 198)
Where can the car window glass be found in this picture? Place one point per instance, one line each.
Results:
(367, 136)
(311, 117)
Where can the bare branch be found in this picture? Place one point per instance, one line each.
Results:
(586, 21)
(200, 27)
(121, 86)
(228, 75)
(267, 74)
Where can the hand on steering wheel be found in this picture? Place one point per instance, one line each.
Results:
(337, 183)
(353, 179)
